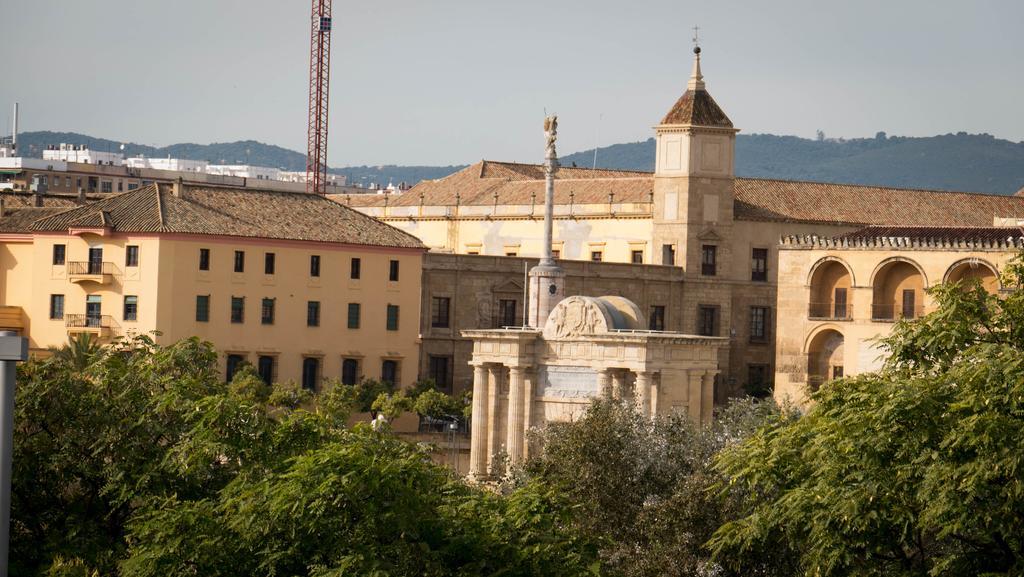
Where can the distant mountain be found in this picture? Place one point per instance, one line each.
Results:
(971, 162)
(968, 162)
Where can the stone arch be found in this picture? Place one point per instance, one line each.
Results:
(829, 283)
(825, 351)
(827, 259)
(896, 259)
(898, 286)
(974, 267)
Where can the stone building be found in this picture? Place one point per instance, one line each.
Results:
(837, 296)
(588, 348)
(718, 232)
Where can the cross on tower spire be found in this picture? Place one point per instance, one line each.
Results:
(696, 36)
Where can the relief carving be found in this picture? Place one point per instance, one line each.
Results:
(573, 317)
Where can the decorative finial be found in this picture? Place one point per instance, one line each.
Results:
(696, 78)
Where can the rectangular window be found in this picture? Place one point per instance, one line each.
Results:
(56, 307)
(106, 186)
(707, 320)
(908, 304)
(392, 317)
(349, 371)
(239, 261)
(758, 324)
(265, 368)
(267, 312)
(596, 255)
(439, 312)
(839, 306)
(393, 274)
(758, 381)
(511, 253)
(636, 256)
(131, 308)
(353, 315)
(759, 265)
(657, 320)
(440, 372)
(668, 255)
(131, 255)
(313, 314)
(554, 253)
(837, 372)
(314, 265)
(234, 362)
(204, 259)
(507, 313)
(67, 182)
(354, 270)
(268, 263)
(389, 371)
(203, 308)
(310, 373)
(237, 309)
(59, 254)
(708, 260)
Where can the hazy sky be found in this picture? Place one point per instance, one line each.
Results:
(454, 81)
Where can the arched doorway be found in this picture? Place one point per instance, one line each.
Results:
(825, 358)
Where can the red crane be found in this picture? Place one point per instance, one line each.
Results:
(319, 79)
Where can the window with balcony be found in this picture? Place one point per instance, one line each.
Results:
(830, 284)
(439, 314)
(392, 318)
(131, 308)
(897, 291)
(353, 315)
(131, 255)
(237, 309)
(759, 265)
(709, 260)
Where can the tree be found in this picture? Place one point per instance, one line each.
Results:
(915, 470)
(643, 489)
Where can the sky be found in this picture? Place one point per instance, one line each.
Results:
(438, 82)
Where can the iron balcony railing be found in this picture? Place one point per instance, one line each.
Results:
(830, 310)
(91, 268)
(891, 312)
(89, 321)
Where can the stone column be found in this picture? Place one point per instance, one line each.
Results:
(707, 399)
(478, 439)
(604, 383)
(696, 389)
(493, 435)
(516, 431)
(530, 385)
(618, 385)
(655, 393)
(642, 387)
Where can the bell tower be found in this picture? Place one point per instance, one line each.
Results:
(694, 181)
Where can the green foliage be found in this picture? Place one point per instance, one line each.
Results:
(391, 405)
(438, 405)
(915, 470)
(80, 352)
(643, 489)
(247, 383)
(144, 463)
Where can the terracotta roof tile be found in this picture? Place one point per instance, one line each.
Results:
(696, 107)
(21, 220)
(232, 212)
(937, 233)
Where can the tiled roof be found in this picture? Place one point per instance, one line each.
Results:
(757, 199)
(696, 107)
(16, 199)
(949, 234)
(231, 212)
(21, 219)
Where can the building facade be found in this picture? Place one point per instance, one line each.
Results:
(300, 287)
(838, 296)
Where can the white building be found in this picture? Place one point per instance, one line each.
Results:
(245, 171)
(82, 154)
(176, 164)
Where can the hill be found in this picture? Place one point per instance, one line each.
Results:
(972, 162)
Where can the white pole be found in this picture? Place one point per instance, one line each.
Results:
(12, 349)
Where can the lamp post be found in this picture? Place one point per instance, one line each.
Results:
(13, 348)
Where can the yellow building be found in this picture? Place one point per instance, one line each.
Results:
(299, 286)
(838, 296)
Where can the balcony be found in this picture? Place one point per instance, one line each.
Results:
(893, 313)
(832, 311)
(87, 271)
(103, 326)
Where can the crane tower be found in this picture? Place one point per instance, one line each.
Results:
(319, 80)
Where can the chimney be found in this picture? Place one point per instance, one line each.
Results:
(14, 131)
(1, 206)
(176, 187)
(38, 190)
(81, 196)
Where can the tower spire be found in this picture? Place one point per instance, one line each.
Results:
(696, 78)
